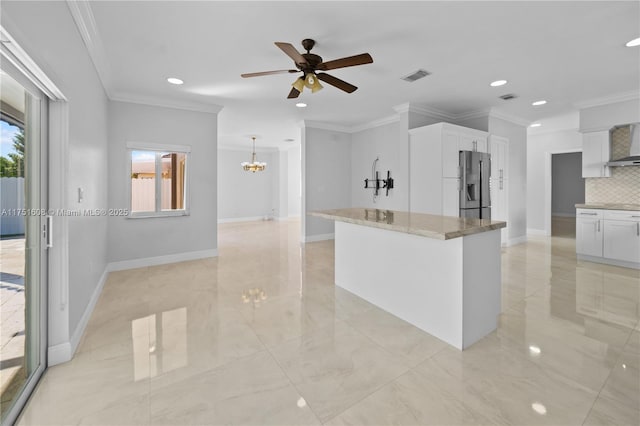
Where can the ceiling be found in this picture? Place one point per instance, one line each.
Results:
(563, 52)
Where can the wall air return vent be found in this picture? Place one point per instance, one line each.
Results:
(417, 75)
(508, 97)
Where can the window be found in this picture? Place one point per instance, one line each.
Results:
(158, 180)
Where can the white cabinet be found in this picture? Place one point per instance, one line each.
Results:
(499, 150)
(589, 236)
(434, 184)
(595, 154)
(609, 236)
(455, 139)
(451, 197)
(622, 236)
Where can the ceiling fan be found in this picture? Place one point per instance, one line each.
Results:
(310, 64)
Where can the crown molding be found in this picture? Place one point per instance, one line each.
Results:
(428, 111)
(166, 103)
(86, 24)
(325, 126)
(610, 99)
(508, 117)
(470, 115)
(375, 123)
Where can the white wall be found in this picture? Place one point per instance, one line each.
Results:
(604, 117)
(46, 31)
(293, 188)
(517, 179)
(539, 146)
(326, 167)
(567, 183)
(367, 145)
(244, 195)
(153, 237)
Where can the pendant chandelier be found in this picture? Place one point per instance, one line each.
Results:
(253, 166)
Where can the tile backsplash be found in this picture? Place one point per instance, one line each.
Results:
(623, 187)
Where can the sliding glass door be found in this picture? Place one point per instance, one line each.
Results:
(23, 239)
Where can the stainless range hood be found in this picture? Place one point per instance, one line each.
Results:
(633, 159)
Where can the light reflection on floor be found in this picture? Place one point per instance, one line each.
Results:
(196, 343)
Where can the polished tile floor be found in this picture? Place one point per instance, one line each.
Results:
(260, 335)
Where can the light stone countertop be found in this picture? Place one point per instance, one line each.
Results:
(425, 225)
(609, 206)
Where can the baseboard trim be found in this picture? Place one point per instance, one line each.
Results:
(516, 241)
(86, 315)
(64, 352)
(320, 237)
(531, 231)
(161, 260)
(242, 219)
(606, 261)
(563, 214)
(58, 354)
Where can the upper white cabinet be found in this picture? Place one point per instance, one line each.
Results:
(595, 154)
(434, 182)
(499, 150)
(455, 139)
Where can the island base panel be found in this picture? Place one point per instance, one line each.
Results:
(448, 288)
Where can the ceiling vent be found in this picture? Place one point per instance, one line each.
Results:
(508, 97)
(417, 75)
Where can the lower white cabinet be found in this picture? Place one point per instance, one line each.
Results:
(622, 240)
(589, 236)
(609, 236)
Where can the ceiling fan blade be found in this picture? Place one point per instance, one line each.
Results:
(294, 93)
(258, 74)
(350, 61)
(336, 82)
(291, 52)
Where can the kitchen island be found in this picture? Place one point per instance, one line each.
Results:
(439, 273)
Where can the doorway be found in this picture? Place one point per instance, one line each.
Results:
(23, 239)
(567, 190)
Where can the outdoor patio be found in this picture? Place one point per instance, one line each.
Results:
(12, 311)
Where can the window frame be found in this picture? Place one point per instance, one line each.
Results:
(157, 149)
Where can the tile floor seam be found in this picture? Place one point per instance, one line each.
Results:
(275, 359)
(409, 369)
(362, 333)
(604, 383)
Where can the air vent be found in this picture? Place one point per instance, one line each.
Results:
(417, 75)
(508, 97)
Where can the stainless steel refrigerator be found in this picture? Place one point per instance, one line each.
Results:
(475, 171)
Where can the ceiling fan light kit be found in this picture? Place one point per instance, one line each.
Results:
(309, 63)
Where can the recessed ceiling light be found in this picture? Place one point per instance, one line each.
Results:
(633, 43)
(174, 80)
(536, 125)
(301, 105)
(538, 103)
(498, 83)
